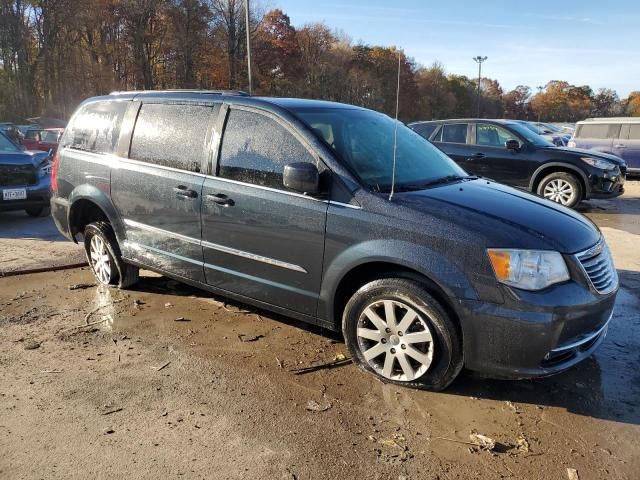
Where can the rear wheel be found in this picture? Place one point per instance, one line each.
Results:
(397, 330)
(561, 187)
(103, 255)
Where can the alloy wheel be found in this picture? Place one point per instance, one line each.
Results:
(100, 261)
(395, 340)
(560, 191)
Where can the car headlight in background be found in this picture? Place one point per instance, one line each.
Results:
(528, 269)
(45, 167)
(598, 163)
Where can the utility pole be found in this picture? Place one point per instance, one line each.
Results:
(540, 89)
(248, 28)
(479, 60)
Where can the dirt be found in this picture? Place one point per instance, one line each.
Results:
(168, 381)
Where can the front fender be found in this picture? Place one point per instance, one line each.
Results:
(449, 277)
(537, 174)
(102, 201)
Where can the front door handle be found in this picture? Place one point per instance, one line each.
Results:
(221, 199)
(476, 156)
(182, 191)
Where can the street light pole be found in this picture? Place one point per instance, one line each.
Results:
(540, 89)
(479, 60)
(246, 17)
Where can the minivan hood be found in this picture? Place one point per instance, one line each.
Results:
(555, 227)
(33, 157)
(581, 152)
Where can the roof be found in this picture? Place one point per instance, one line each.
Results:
(611, 120)
(501, 121)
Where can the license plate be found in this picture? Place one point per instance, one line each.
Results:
(14, 194)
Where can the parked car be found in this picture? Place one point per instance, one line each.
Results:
(617, 136)
(25, 179)
(294, 206)
(510, 153)
(42, 139)
(549, 132)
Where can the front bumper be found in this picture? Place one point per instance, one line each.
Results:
(535, 334)
(38, 195)
(607, 184)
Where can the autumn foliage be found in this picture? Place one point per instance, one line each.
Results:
(55, 53)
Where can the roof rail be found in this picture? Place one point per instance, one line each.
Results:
(239, 93)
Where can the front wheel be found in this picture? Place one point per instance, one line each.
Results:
(561, 187)
(397, 330)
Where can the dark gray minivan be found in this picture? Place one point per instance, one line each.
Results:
(295, 206)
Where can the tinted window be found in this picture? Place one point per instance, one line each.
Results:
(425, 129)
(454, 133)
(171, 135)
(96, 127)
(256, 148)
(492, 135)
(593, 131)
(634, 131)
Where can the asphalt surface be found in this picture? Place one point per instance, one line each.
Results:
(30, 243)
(168, 381)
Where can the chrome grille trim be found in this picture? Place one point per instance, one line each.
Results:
(597, 266)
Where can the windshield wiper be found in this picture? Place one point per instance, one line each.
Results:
(448, 179)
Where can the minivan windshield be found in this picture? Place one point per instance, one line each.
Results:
(363, 141)
(7, 145)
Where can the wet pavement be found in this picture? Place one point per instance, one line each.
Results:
(169, 381)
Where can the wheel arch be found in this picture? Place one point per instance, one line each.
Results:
(544, 170)
(89, 204)
(443, 279)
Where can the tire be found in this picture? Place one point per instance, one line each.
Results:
(104, 258)
(41, 211)
(561, 187)
(430, 361)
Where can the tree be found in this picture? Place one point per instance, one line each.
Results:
(633, 104)
(605, 103)
(516, 102)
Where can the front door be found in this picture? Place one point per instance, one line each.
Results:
(493, 159)
(260, 240)
(158, 190)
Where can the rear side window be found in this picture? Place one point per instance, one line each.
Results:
(454, 133)
(96, 127)
(256, 148)
(171, 135)
(587, 130)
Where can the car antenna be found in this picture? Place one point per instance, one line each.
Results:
(395, 135)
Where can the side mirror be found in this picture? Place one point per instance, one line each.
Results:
(302, 177)
(513, 145)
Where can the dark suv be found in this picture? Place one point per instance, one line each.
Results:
(294, 206)
(509, 152)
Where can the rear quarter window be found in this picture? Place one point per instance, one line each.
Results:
(96, 127)
(425, 129)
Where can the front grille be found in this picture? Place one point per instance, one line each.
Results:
(598, 266)
(17, 175)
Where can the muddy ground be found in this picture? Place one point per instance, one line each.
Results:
(174, 382)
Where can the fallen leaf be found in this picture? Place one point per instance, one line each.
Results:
(572, 473)
(314, 406)
(483, 441)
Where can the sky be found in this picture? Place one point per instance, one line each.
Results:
(530, 42)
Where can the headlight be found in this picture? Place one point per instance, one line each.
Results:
(45, 167)
(528, 269)
(598, 163)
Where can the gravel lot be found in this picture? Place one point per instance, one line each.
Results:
(176, 383)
